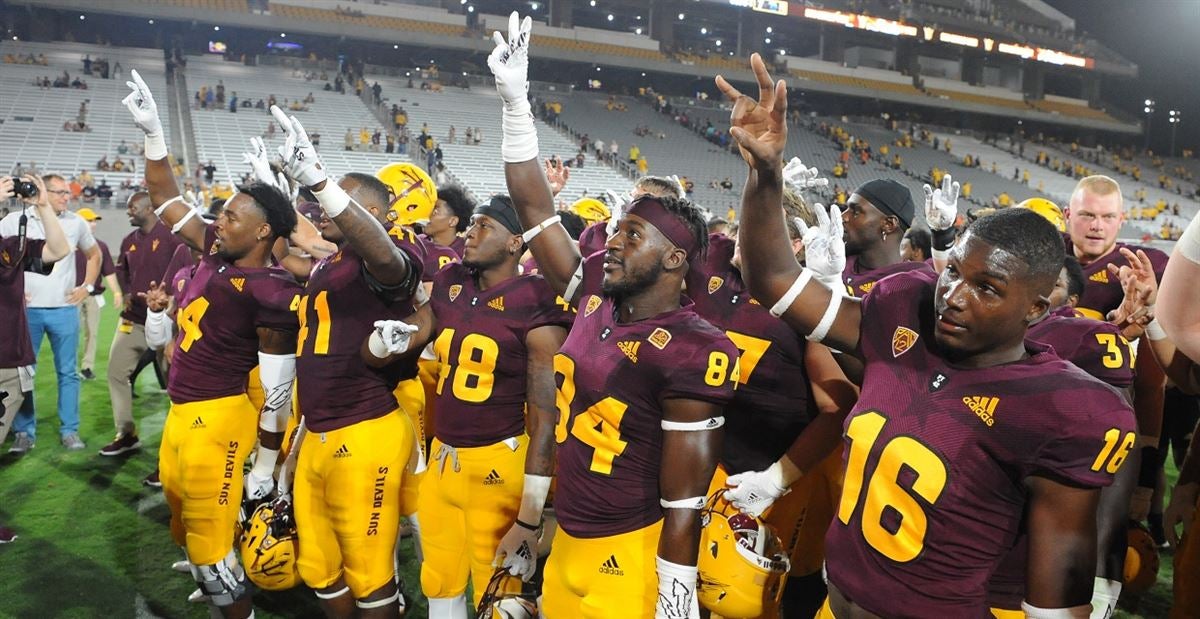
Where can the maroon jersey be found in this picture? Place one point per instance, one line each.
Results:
(613, 379)
(16, 349)
(593, 238)
(770, 407)
(436, 257)
(220, 311)
(181, 259)
(106, 268)
(937, 457)
(458, 245)
(1094, 346)
(337, 314)
(860, 280)
(481, 351)
(1102, 293)
(143, 259)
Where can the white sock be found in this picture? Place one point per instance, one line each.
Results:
(448, 608)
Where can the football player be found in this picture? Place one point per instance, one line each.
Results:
(785, 420)
(450, 218)
(962, 427)
(643, 380)
(494, 333)
(349, 470)
(234, 314)
(877, 215)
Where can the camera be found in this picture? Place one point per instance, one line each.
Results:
(25, 189)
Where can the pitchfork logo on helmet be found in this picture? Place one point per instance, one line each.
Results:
(742, 563)
(415, 191)
(269, 547)
(499, 603)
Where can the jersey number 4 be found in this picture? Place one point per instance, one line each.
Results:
(884, 494)
(598, 427)
(189, 322)
(474, 368)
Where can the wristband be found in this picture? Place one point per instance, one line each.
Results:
(179, 224)
(822, 329)
(526, 525)
(531, 233)
(158, 212)
(941, 255)
(943, 239)
(533, 499)
(712, 423)
(264, 462)
(520, 136)
(789, 297)
(334, 200)
(1155, 332)
(156, 147)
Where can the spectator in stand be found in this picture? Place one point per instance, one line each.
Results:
(402, 141)
(601, 154)
(349, 140)
(614, 151)
(270, 129)
(642, 166)
(364, 138)
(122, 148)
(391, 143)
(450, 135)
(17, 354)
(103, 164)
(375, 139)
(210, 171)
(52, 309)
(916, 245)
(233, 103)
(142, 262)
(431, 160)
(89, 310)
(634, 153)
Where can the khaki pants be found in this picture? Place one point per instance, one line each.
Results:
(128, 344)
(11, 399)
(89, 322)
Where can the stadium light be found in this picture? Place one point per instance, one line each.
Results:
(152, 22)
(704, 31)
(637, 30)
(767, 40)
(638, 17)
(770, 30)
(718, 42)
(216, 28)
(395, 47)
(643, 74)
(533, 6)
(471, 9)
(1174, 118)
(81, 18)
(681, 16)
(592, 3)
(1149, 110)
(1149, 102)
(610, 17)
(283, 35)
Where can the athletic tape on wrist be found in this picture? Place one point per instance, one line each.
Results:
(158, 212)
(696, 502)
(532, 233)
(520, 141)
(179, 224)
(940, 254)
(818, 334)
(334, 200)
(789, 297)
(1074, 612)
(155, 147)
(712, 423)
(376, 346)
(1155, 332)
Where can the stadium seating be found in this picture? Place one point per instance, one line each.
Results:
(32, 130)
(223, 137)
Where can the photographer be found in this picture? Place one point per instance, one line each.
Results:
(18, 254)
(53, 306)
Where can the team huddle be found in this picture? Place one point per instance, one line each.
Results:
(788, 420)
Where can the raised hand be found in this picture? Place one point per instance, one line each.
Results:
(1141, 291)
(824, 247)
(509, 62)
(759, 127)
(802, 177)
(557, 176)
(6, 188)
(259, 162)
(300, 160)
(156, 297)
(941, 204)
(140, 103)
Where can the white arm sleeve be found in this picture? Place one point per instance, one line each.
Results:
(276, 373)
(158, 330)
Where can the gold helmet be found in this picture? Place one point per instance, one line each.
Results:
(591, 210)
(1046, 209)
(416, 193)
(496, 603)
(1141, 560)
(742, 563)
(269, 547)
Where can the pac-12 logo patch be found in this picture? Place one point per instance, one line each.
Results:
(714, 284)
(902, 340)
(592, 303)
(454, 290)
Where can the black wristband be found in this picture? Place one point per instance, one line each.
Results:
(526, 525)
(944, 239)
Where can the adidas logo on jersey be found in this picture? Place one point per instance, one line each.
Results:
(238, 282)
(865, 288)
(630, 349)
(1099, 276)
(497, 304)
(984, 407)
(198, 423)
(611, 568)
(493, 479)
(342, 452)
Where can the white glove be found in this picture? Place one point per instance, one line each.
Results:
(391, 337)
(824, 247)
(141, 104)
(755, 491)
(257, 487)
(509, 62)
(941, 205)
(1180, 510)
(676, 591)
(682, 189)
(802, 177)
(259, 162)
(616, 207)
(300, 159)
(517, 552)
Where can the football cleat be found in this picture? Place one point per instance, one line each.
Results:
(415, 193)
(743, 565)
(269, 547)
(496, 604)
(591, 210)
(1046, 209)
(1141, 559)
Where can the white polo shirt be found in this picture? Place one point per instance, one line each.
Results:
(51, 290)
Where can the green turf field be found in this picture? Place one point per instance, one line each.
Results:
(94, 542)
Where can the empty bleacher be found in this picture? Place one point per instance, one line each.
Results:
(32, 118)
